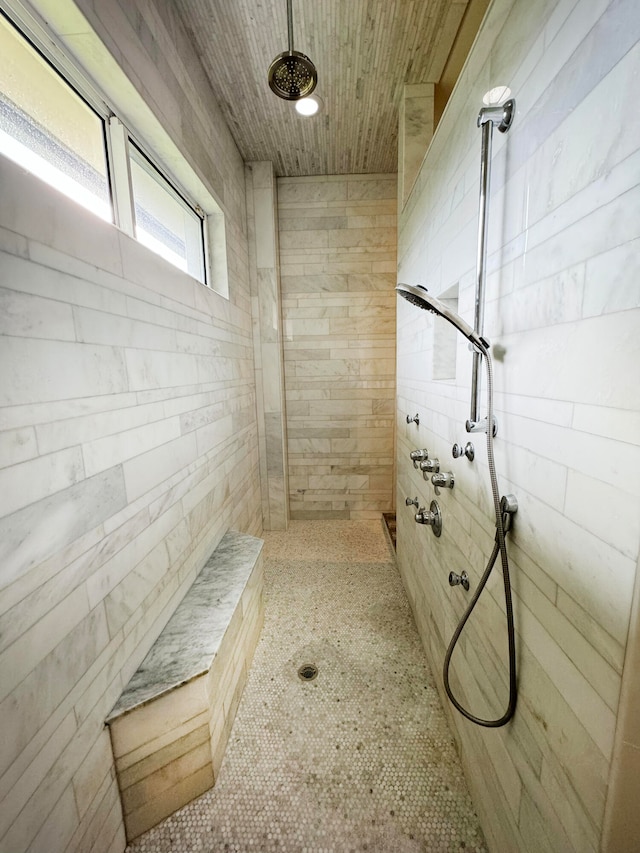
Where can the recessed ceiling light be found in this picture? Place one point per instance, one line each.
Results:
(309, 106)
(496, 96)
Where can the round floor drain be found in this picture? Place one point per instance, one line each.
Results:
(308, 672)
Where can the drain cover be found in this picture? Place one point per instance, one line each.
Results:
(308, 672)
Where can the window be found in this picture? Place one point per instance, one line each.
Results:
(163, 220)
(47, 128)
(66, 134)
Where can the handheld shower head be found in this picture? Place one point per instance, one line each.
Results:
(420, 296)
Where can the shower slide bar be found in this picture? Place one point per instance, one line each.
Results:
(505, 507)
(501, 117)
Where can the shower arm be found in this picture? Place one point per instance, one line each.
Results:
(290, 26)
(502, 117)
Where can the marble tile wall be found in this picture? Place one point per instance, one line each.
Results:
(128, 447)
(415, 128)
(337, 260)
(622, 821)
(562, 314)
(264, 267)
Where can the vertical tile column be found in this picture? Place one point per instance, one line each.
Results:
(416, 126)
(338, 262)
(267, 337)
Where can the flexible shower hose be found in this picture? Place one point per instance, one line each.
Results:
(502, 523)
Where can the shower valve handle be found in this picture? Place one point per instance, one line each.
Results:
(429, 466)
(432, 517)
(423, 516)
(414, 420)
(443, 481)
(418, 456)
(412, 502)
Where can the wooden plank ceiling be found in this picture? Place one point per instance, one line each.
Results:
(364, 51)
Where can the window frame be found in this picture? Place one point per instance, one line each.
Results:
(157, 175)
(85, 95)
(117, 136)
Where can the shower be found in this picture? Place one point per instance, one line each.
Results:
(292, 75)
(500, 116)
(420, 296)
(504, 509)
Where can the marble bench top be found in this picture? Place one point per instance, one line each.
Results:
(191, 638)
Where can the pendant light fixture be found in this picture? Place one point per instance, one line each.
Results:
(292, 75)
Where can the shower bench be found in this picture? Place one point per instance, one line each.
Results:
(170, 727)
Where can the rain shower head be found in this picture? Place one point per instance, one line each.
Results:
(420, 296)
(292, 75)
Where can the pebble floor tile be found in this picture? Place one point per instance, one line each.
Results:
(359, 758)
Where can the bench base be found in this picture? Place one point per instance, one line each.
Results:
(168, 750)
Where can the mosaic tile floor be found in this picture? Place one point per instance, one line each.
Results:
(358, 759)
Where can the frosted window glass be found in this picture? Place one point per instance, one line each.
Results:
(164, 221)
(47, 128)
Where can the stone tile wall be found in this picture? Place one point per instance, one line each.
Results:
(128, 444)
(337, 256)
(415, 130)
(562, 315)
